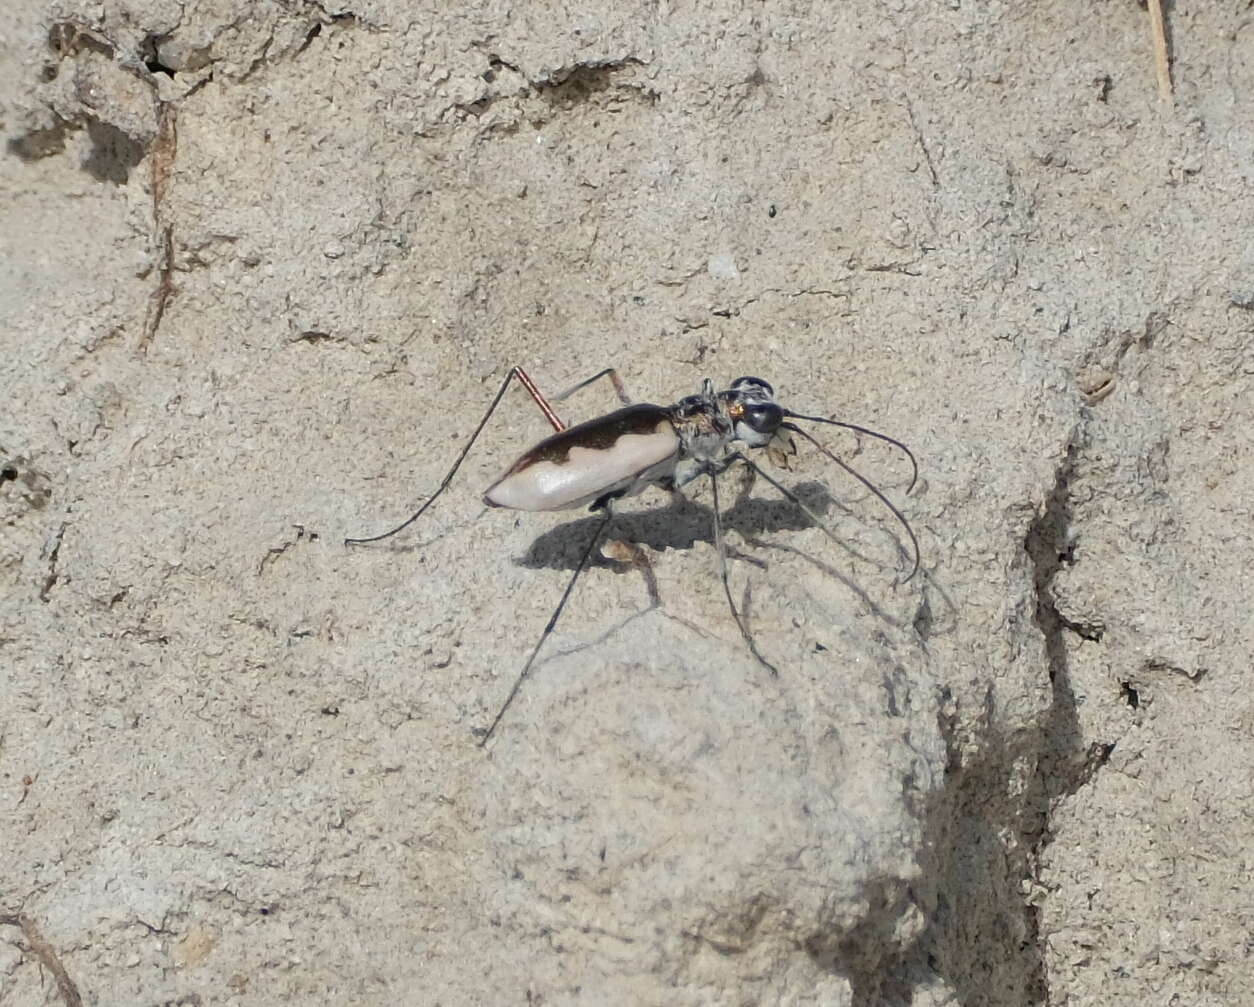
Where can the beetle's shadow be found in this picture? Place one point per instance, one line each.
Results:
(685, 522)
(680, 525)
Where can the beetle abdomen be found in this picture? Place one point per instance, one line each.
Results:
(620, 453)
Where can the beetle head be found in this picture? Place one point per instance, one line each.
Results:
(755, 416)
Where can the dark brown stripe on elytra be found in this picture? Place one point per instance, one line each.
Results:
(599, 435)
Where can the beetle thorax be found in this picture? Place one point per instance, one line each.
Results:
(704, 428)
(705, 435)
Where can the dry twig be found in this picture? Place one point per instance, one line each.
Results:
(1162, 64)
(44, 951)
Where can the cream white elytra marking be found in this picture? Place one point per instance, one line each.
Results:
(624, 452)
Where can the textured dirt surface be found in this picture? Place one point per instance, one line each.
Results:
(262, 267)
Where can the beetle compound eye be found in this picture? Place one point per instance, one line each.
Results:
(764, 417)
(764, 385)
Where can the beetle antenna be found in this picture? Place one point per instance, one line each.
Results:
(817, 521)
(868, 484)
(914, 465)
(722, 569)
(557, 612)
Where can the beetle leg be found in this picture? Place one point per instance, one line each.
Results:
(523, 379)
(747, 478)
(631, 554)
(548, 629)
(610, 373)
(722, 570)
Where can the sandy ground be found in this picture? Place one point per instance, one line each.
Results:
(265, 264)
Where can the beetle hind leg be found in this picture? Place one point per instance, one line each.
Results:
(515, 374)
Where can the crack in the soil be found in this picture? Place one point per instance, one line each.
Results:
(52, 550)
(986, 827)
(577, 84)
(1065, 765)
(163, 151)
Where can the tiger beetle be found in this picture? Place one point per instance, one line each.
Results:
(624, 452)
